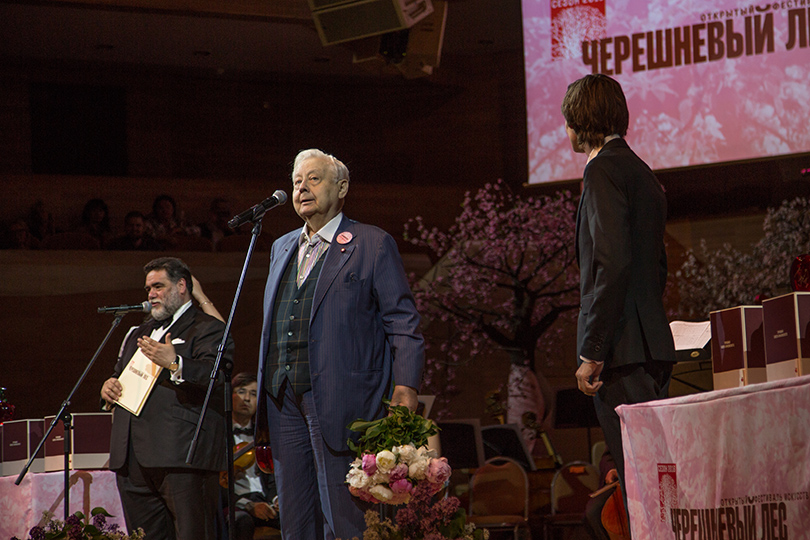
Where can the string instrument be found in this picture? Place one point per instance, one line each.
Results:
(244, 456)
(264, 457)
(614, 516)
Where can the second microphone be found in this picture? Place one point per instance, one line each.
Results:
(278, 198)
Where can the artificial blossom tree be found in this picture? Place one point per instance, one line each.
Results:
(727, 277)
(506, 277)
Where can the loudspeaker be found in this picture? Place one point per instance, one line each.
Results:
(415, 52)
(338, 21)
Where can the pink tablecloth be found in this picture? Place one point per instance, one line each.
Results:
(730, 464)
(21, 506)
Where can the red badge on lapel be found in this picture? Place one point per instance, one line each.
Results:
(344, 238)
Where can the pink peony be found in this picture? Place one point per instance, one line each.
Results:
(438, 471)
(401, 486)
(369, 464)
(398, 473)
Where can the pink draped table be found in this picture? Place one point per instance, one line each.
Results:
(21, 506)
(730, 464)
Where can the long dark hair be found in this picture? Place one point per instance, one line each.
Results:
(595, 107)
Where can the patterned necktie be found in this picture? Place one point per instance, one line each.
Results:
(308, 255)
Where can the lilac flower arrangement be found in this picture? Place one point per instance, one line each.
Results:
(77, 527)
(424, 519)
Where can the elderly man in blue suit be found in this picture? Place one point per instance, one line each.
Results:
(340, 334)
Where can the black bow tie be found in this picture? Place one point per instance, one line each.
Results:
(162, 324)
(242, 431)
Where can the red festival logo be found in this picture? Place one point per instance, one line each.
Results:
(575, 21)
(667, 488)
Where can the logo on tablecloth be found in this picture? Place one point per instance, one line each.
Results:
(667, 488)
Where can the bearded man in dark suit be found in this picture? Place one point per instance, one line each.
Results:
(160, 493)
(625, 347)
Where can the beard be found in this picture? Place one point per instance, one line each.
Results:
(171, 303)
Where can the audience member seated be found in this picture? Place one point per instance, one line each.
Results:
(216, 228)
(40, 221)
(134, 237)
(17, 236)
(96, 221)
(255, 492)
(164, 225)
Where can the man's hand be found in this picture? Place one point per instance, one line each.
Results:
(588, 377)
(405, 395)
(162, 354)
(111, 390)
(262, 510)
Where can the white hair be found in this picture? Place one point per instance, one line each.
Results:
(339, 170)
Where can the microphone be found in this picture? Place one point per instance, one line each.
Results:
(278, 198)
(143, 307)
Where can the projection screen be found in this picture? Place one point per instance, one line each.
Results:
(706, 82)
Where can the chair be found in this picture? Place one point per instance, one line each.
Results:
(570, 492)
(499, 497)
(597, 450)
(266, 533)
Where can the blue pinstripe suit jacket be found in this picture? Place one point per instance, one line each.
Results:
(363, 329)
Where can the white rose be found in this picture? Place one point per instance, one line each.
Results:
(386, 460)
(381, 493)
(418, 469)
(358, 479)
(379, 477)
(407, 453)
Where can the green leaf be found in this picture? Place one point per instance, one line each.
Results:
(100, 510)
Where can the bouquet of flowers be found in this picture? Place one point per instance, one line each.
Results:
(392, 458)
(394, 466)
(77, 527)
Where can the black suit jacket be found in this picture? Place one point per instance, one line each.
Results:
(162, 433)
(622, 260)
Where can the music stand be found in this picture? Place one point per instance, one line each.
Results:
(462, 443)
(573, 409)
(507, 440)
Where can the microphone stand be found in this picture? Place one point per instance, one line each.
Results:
(66, 418)
(258, 214)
